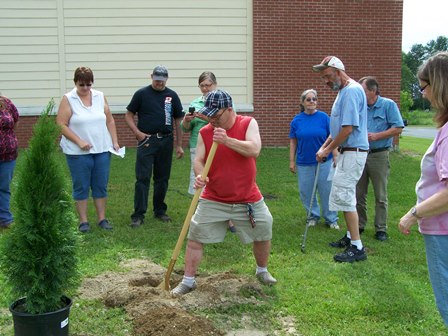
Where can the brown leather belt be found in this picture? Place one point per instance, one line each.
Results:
(351, 149)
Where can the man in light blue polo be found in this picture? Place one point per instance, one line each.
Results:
(384, 122)
(348, 132)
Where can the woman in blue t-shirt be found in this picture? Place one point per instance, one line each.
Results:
(308, 131)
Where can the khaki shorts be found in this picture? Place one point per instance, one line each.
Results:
(349, 168)
(210, 222)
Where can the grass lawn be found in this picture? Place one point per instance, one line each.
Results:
(389, 294)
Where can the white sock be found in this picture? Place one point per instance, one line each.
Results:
(188, 281)
(261, 269)
(349, 236)
(357, 243)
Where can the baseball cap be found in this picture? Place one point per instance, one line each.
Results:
(329, 61)
(160, 73)
(215, 100)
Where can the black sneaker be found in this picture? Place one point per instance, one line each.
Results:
(381, 236)
(164, 218)
(136, 222)
(341, 243)
(351, 254)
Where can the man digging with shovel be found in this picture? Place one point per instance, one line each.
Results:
(230, 191)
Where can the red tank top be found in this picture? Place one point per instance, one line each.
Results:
(232, 176)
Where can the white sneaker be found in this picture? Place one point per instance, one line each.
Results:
(312, 222)
(266, 278)
(182, 289)
(334, 226)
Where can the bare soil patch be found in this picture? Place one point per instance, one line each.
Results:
(155, 312)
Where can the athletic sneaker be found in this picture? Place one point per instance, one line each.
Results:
(136, 222)
(182, 289)
(84, 227)
(266, 278)
(105, 225)
(351, 254)
(334, 226)
(312, 222)
(341, 243)
(163, 217)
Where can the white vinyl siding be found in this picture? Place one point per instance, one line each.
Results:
(44, 41)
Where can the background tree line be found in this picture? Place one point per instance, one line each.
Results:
(410, 96)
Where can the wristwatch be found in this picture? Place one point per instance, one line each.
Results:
(414, 213)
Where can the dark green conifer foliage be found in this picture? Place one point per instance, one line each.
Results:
(39, 253)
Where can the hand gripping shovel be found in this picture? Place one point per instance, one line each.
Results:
(308, 217)
(194, 202)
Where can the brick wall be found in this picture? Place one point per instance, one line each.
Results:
(289, 37)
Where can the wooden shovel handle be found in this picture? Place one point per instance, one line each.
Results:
(191, 210)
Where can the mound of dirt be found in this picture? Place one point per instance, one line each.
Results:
(155, 312)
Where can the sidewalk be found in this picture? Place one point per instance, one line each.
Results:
(420, 132)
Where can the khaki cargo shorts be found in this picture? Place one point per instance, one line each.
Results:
(210, 222)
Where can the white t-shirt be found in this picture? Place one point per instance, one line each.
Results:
(89, 123)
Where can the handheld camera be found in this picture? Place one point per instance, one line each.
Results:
(191, 110)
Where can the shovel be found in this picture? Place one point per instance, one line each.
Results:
(194, 202)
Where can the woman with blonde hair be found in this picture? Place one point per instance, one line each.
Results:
(308, 131)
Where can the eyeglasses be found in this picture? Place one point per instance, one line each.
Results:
(83, 84)
(423, 88)
(205, 86)
(311, 99)
(217, 116)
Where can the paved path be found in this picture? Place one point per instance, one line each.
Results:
(420, 132)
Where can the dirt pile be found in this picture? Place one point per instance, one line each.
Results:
(156, 312)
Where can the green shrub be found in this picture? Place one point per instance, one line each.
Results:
(38, 255)
(419, 117)
(405, 101)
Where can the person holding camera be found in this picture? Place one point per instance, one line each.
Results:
(193, 121)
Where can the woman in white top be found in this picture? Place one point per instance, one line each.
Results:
(88, 133)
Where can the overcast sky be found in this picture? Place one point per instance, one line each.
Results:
(423, 21)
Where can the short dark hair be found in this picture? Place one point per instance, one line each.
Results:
(83, 75)
(371, 84)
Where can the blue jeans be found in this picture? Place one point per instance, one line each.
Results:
(437, 260)
(306, 176)
(89, 171)
(6, 173)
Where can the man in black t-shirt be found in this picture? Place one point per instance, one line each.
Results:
(158, 109)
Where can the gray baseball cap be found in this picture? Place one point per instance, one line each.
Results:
(160, 73)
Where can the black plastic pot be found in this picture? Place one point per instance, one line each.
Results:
(46, 324)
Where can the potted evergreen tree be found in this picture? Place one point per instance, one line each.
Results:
(38, 255)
